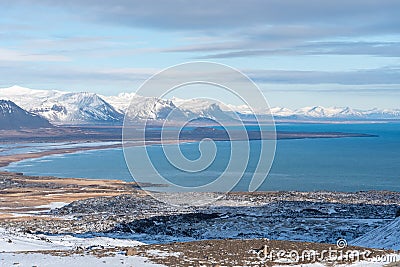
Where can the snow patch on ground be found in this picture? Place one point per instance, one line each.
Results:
(163, 254)
(14, 245)
(43, 260)
(385, 237)
(52, 205)
(12, 242)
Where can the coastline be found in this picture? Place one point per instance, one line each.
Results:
(8, 159)
(5, 160)
(50, 208)
(82, 147)
(75, 217)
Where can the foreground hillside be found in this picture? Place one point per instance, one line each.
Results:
(255, 252)
(116, 223)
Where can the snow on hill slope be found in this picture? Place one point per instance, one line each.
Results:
(203, 108)
(121, 101)
(319, 112)
(12, 117)
(33, 246)
(155, 108)
(142, 108)
(385, 237)
(382, 113)
(63, 107)
(77, 108)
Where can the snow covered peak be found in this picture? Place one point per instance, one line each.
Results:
(7, 107)
(316, 111)
(141, 108)
(344, 113)
(278, 111)
(62, 107)
(121, 101)
(72, 108)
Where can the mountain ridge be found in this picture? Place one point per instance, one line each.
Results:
(62, 107)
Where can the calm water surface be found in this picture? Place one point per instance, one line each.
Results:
(339, 164)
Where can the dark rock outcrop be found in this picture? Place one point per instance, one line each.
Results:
(12, 117)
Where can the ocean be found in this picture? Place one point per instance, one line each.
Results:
(332, 164)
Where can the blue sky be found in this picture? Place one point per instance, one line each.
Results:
(300, 53)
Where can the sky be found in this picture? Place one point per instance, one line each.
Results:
(300, 53)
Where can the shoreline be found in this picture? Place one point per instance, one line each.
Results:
(40, 188)
(28, 197)
(8, 159)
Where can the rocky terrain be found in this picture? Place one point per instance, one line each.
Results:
(120, 209)
(280, 216)
(110, 218)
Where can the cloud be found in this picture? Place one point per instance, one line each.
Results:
(15, 71)
(14, 55)
(248, 28)
(379, 76)
(210, 14)
(381, 49)
(200, 29)
(341, 89)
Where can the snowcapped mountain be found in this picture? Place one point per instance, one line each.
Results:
(331, 113)
(63, 107)
(282, 112)
(382, 113)
(158, 109)
(141, 107)
(153, 108)
(320, 113)
(12, 117)
(121, 101)
(77, 108)
(203, 108)
(88, 108)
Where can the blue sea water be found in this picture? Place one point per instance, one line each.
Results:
(337, 164)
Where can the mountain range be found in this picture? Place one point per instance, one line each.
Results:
(61, 107)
